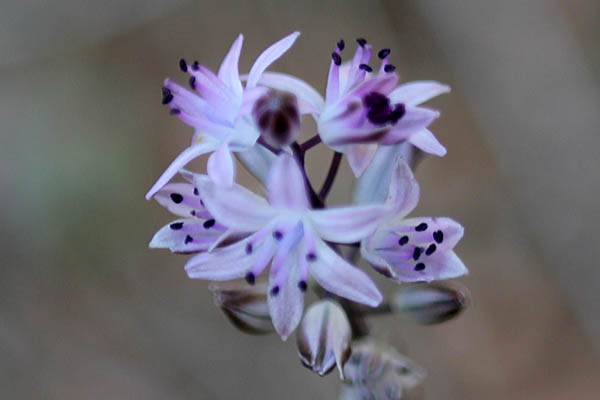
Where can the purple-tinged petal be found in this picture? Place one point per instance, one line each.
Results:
(324, 338)
(216, 92)
(257, 161)
(444, 266)
(373, 185)
(347, 224)
(181, 199)
(285, 184)
(360, 156)
(228, 71)
(443, 231)
(417, 92)
(180, 161)
(426, 141)
(404, 190)
(414, 120)
(381, 83)
(251, 95)
(269, 56)
(221, 167)
(222, 264)
(310, 100)
(338, 276)
(236, 206)
(285, 298)
(332, 92)
(356, 74)
(186, 236)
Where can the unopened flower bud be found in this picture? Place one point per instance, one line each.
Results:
(378, 371)
(245, 306)
(431, 304)
(277, 118)
(324, 338)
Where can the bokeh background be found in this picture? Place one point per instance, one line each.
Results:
(88, 312)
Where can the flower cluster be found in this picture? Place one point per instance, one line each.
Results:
(366, 115)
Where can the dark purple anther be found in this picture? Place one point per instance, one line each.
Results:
(336, 58)
(421, 227)
(302, 286)
(275, 291)
(167, 98)
(417, 253)
(419, 267)
(176, 197)
(209, 223)
(361, 42)
(183, 65)
(438, 236)
(249, 248)
(431, 249)
(188, 239)
(383, 53)
(365, 67)
(389, 68)
(175, 111)
(176, 226)
(403, 240)
(193, 82)
(195, 66)
(250, 278)
(341, 44)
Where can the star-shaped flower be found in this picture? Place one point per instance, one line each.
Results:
(219, 109)
(287, 232)
(364, 109)
(413, 249)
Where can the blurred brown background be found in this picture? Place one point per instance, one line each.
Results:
(88, 312)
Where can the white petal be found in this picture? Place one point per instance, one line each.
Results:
(181, 199)
(221, 167)
(286, 305)
(268, 56)
(180, 161)
(257, 160)
(224, 263)
(338, 276)
(235, 206)
(285, 184)
(310, 100)
(228, 72)
(347, 224)
(426, 141)
(404, 189)
(417, 92)
(360, 156)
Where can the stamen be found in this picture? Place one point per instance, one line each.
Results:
(275, 291)
(421, 227)
(250, 278)
(336, 58)
(365, 67)
(176, 226)
(183, 65)
(438, 236)
(431, 249)
(195, 66)
(277, 235)
(176, 197)
(302, 286)
(188, 239)
(361, 42)
(383, 53)
(249, 248)
(209, 223)
(389, 68)
(196, 193)
(193, 82)
(417, 253)
(341, 44)
(193, 212)
(403, 240)
(167, 98)
(419, 267)
(397, 113)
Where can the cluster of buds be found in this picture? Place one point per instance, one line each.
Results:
(233, 233)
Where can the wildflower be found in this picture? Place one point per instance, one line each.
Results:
(244, 305)
(324, 338)
(414, 249)
(219, 109)
(364, 109)
(286, 231)
(430, 304)
(378, 371)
